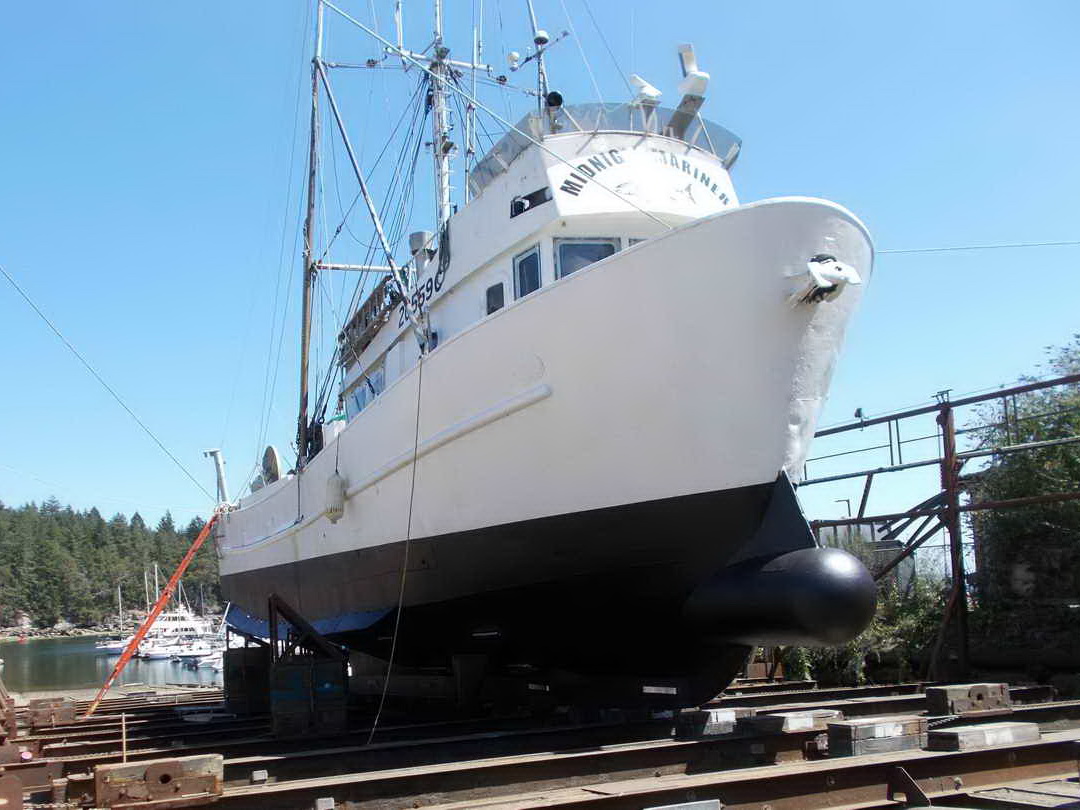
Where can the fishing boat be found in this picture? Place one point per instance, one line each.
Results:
(568, 424)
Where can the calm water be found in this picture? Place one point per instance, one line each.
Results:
(69, 663)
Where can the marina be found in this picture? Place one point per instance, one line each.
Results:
(55, 665)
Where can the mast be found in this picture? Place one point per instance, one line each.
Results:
(302, 434)
(540, 39)
(441, 144)
(470, 108)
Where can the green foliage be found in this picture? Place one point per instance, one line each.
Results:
(1029, 558)
(56, 563)
(1033, 552)
(897, 641)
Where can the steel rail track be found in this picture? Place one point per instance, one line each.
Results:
(382, 779)
(444, 758)
(667, 772)
(458, 738)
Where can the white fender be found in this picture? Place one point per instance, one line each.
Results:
(335, 497)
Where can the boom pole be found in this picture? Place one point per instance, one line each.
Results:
(302, 433)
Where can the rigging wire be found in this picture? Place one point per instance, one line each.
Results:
(410, 151)
(333, 157)
(104, 384)
(243, 354)
(505, 54)
(404, 556)
(611, 53)
(581, 50)
(1001, 246)
(497, 117)
(269, 386)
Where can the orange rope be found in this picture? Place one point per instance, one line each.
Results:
(159, 605)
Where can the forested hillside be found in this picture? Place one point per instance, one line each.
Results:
(59, 564)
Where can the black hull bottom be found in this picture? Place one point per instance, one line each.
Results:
(600, 594)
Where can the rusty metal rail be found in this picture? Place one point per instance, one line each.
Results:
(863, 782)
(464, 762)
(669, 772)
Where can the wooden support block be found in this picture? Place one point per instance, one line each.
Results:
(876, 735)
(965, 738)
(862, 728)
(709, 722)
(968, 698)
(179, 782)
(881, 745)
(791, 722)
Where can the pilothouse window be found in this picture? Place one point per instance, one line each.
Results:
(527, 272)
(573, 254)
(495, 298)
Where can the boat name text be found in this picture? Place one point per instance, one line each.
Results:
(600, 161)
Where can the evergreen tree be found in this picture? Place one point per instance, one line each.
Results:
(59, 564)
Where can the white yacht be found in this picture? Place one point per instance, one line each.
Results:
(568, 422)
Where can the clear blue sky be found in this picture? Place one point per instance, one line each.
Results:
(145, 157)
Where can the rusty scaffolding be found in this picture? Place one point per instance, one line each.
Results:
(941, 511)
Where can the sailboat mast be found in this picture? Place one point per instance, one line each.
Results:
(441, 144)
(303, 438)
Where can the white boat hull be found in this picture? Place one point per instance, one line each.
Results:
(659, 392)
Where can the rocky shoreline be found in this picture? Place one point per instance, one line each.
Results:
(9, 634)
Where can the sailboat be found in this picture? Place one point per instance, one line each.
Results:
(570, 422)
(114, 645)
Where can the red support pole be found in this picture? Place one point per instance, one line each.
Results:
(159, 605)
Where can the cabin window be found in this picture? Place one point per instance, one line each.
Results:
(369, 387)
(495, 298)
(573, 254)
(527, 202)
(527, 272)
(634, 240)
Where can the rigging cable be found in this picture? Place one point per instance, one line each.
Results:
(333, 157)
(240, 363)
(581, 50)
(1005, 245)
(505, 54)
(104, 384)
(268, 386)
(611, 53)
(396, 227)
(404, 556)
(500, 119)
